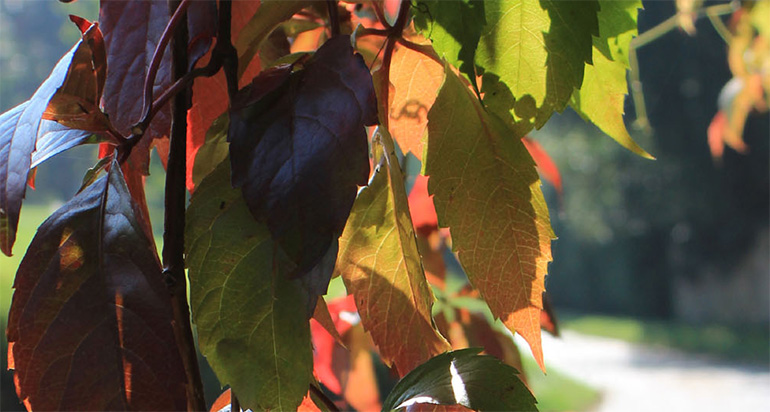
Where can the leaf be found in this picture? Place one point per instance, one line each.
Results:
(243, 302)
(486, 190)
(76, 102)
(20, 129)
(270, 14)
(463, 377)
(416, 80)
(421, 207)
(381, 267)
(601, 98)
(210, 102)
(202, 20)
(545, 165)
(90, 322)
(537, 50)
(455, 29)
(328, 348)
(298, 148)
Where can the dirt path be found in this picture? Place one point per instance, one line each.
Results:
(638, 378)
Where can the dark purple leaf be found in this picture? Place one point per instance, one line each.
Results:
(299, 149)
(54, 138)
(21, 128)
(131, 30)
(90, 322)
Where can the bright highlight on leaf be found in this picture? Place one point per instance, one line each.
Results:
(463, 377)
(486, 190)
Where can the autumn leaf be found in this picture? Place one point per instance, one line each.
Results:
(243, 302)
(380, 265)
(207, 114)
(601, 98)
(463, 377)
(298, 148)
(416, 80)
(486, 190)
(545, 165)
(22, 127)
(90, 322)
(421, 207)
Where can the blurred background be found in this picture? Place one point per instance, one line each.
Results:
(666, 262)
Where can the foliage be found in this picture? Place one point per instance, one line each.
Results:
(267, 119)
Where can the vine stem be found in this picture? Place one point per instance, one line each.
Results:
(174, 222)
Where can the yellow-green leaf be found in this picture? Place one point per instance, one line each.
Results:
(487, 192)
(381, 267)
(252, 326)
(601, 97)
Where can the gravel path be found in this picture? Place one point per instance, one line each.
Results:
(638, 378)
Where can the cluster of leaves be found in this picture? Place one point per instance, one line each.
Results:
(273, 131)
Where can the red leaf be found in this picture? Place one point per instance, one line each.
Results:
(308, 405)
(421, 207)
(324, 342)
(90, 322)
(209, 94)
(716, 133)
(545, 164)
(223, 401)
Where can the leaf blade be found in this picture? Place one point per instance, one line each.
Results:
(486, 190)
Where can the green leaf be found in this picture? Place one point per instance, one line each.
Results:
(537, 50)
(478, 382)
(454, 27)
(487, 192)
(244, 305)
(381, 267)
(600, 99)
(269, 15)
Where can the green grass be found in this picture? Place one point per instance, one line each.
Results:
(743, 343)
(556, 391)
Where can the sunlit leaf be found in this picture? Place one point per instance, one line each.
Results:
(90, 322)
(21, 128)
(463, 377)
(601, 98)
(380, 265)
(298, 148)
(416, 80)
(486, 190)
(243, 302)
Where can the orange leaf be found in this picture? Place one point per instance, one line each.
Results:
(545, 165)
(223, 401)
(716, 133)
(209, 99)
(308, 405)
(416, 80)
(487, 191)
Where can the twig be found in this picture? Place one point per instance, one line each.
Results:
(334, 18)
(174, 223)
(323, 398)
(424, 49)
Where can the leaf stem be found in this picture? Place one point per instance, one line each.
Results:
(423, 49)
(174, 222)
(334, 18)
(157, 57)
(393, 36)
(328, 403)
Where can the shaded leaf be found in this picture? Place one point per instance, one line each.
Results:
(210, 102)
(416, 80)
(20, 128)
(330, 356)
(90, 322)
(242, 301)
(381, 267)
(421, 207)
(202, 20)
(486, 190)
(601, 98)
(548, 316)
(298, 148)
(270, 14)
(463, 377)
